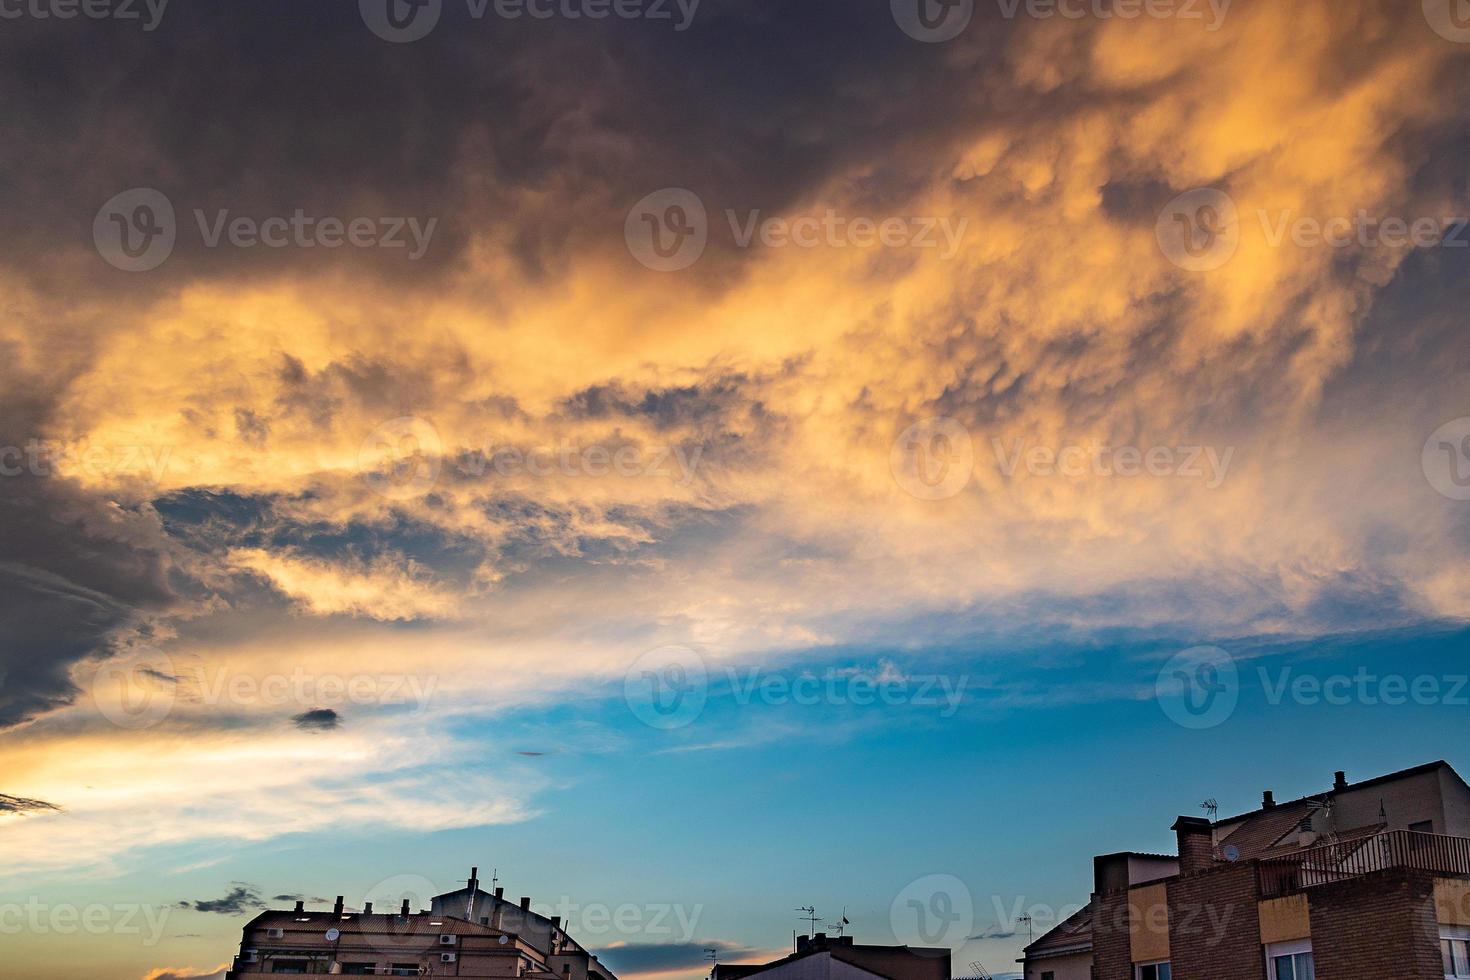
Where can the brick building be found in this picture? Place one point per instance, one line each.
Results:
(1367, 881)
(465, 933)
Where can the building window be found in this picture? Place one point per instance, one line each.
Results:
(1454, 948)
(1048, 975)
(1152, 971)
(405, 969)
(288, 966)
(1422, 827)
(359, 969)
(1291, 961)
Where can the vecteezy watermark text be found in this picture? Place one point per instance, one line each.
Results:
(936, 21)
(136, 230)
(123, 10)
(1097, 459)
(50, 457)
(669, 230)
(37, 918)
(669, 687)
(403, 21)
(142, 689)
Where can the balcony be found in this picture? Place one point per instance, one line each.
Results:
(1340, 861)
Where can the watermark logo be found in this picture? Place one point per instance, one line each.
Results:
(401, 458)
(137, 690)
(933, 459)
(135, 230)
(667, 688)
(400, 21)
(932, 21)
(667, 230)
(1199, 688)
(1450, 19)
(935, 910)
(1199, 230)
(1446, 459)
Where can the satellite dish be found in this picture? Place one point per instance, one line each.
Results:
(333, 935)
(503, 940)
(1232, 853)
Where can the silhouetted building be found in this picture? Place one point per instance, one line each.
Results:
(465, 933)
(823, 957)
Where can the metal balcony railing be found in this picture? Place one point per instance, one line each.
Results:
(1341, 860)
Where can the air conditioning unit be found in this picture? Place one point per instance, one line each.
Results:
(446, 957)
(446, 940)
(251, 956)
(275, 932)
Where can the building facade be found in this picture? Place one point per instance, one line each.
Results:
(464, 933)
(1367, 880)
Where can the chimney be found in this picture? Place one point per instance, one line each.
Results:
(337, 908)
(1305, 835)
(367, 908)
(1268, 800)
(525, 903)
(300, 905)
(1339, 781)
(500, 892)
(556, 922)
(1196, 845)
(404, 911)
(474, 878)
(1109, 873)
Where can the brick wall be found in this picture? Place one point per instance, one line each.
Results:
(1381, 925)
(1214, 926)
(1112, 944)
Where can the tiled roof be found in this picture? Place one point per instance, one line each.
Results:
(1075, 933)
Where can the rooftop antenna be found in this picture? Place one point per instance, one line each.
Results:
(1026, 919)
(1212, 808)
(842, 924)
(810, 915)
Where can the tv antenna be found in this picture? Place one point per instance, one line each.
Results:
(1026, 919)
(1212, 808)
(841, 924)
(712, 953)
(810, 914)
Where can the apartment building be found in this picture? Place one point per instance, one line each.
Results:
(465, 933)
(1365, 880)
(823, 957)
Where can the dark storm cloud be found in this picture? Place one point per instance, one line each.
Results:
(78, 576)
(259, 109)
(318, 720)
(241, 898)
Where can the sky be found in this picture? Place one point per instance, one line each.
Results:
(699, 460)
